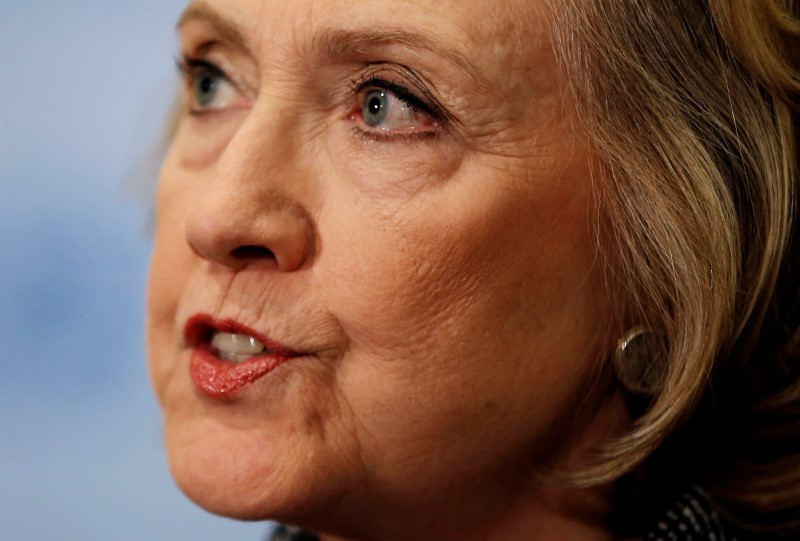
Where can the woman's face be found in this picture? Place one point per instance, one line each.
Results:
(392, 195)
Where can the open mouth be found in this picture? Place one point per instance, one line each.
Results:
(227, 356)
(237, 347)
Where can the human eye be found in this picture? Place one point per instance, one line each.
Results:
(384, 109)
(207, 87)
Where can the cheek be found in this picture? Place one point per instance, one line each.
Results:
(386, 175)
(171, 265)
(464, 309)
(449, 266)
(199, 141)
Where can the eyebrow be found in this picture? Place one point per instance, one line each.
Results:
(344, 43)
(338, 43)
(227, 30)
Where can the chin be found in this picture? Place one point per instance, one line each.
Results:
(248, 475)
(218, 472)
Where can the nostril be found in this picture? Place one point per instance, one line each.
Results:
(252, 252)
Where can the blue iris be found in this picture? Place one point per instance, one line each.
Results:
(375, 107)
(206, 87)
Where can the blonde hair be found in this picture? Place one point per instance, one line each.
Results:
(692, 110)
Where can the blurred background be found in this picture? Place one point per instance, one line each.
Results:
(84, 92)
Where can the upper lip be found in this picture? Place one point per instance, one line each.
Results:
(200, 328)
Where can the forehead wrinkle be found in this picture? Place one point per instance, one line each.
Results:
(227, 29)
(344, 43)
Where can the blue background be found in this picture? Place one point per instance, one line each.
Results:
(84, 92)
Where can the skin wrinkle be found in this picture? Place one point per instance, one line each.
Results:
(436, 286)
(332, 47)
(228, 32)
(338, 44)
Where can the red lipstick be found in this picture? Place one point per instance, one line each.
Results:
(220, 379)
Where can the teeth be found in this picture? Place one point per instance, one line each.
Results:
(237, 348)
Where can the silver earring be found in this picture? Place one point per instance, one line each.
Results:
(639, 361)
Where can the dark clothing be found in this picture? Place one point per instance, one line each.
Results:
(690, 518)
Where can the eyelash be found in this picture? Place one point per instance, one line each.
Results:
(191, 68)
(373, 81)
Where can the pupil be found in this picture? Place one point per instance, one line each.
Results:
(206, 85)
(375, 105)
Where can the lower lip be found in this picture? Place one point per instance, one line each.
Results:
(222, 380)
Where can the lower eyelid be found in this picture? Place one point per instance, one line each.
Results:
(388, 136)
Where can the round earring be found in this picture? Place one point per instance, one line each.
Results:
(638, 361)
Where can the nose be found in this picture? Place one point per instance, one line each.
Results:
(233, 234)
(248, 206)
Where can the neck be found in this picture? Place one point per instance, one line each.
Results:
(556, 512)
(545, 512)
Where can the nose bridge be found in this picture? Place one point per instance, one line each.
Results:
(255, 207)
(261, 152)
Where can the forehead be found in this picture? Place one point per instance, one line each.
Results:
(475, 20)
(494, 36)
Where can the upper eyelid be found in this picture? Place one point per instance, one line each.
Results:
(379, 70)
(191, 64)
(375, 74)
(399, 91)
(191, 69)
